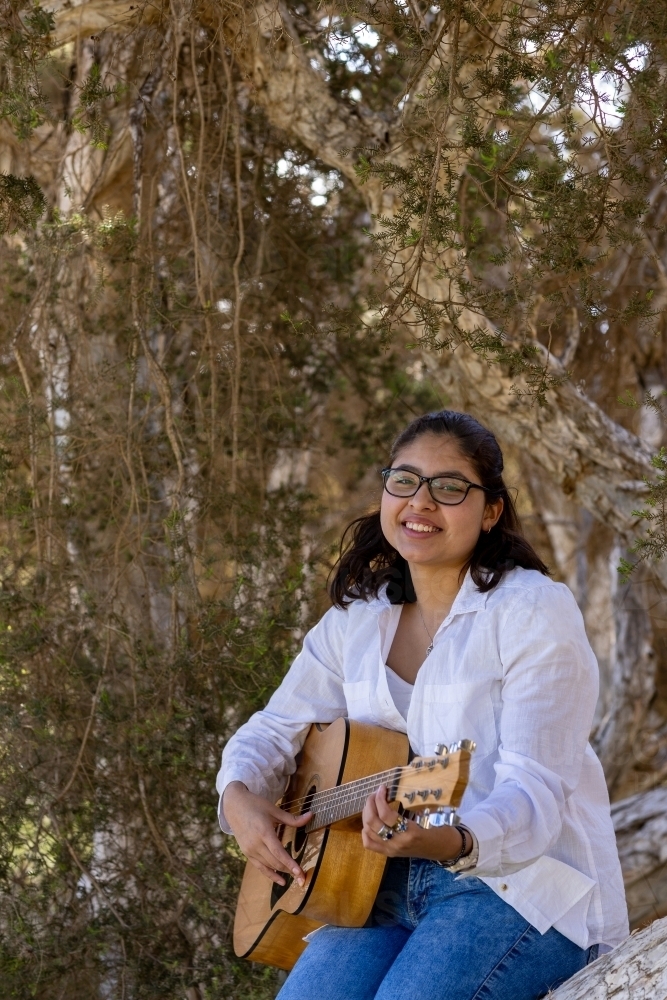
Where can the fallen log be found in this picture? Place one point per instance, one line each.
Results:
(636, 970)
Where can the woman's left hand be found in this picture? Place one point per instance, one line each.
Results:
(438, 844)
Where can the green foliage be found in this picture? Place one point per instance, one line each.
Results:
(89, 116)
(524, 162)
(24, 48)
(157, 559)
(190, 393)
(653, 544)
(22, 203)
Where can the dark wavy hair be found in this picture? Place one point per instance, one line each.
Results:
(367, 561)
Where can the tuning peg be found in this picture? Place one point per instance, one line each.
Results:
(442, 816)
(468, 745)
(440, 749)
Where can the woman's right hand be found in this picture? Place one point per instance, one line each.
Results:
(253, 821)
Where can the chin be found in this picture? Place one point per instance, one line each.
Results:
(419, 556)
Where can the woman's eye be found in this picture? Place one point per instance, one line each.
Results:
(403, 480)
(448, 487)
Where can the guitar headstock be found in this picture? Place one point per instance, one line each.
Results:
(439, 780)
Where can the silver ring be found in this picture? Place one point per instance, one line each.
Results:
(385, 832)
(401, 825)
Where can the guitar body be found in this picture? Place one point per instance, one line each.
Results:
(342, 878)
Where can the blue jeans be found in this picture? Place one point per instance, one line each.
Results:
(436, 938)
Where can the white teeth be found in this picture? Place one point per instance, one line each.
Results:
(418, 526)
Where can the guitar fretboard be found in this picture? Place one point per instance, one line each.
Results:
(335, 804)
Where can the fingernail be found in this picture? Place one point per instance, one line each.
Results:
(301, 881)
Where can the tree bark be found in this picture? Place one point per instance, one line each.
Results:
(636, 970)
(595, 461)
(586, 556)
(641, 834)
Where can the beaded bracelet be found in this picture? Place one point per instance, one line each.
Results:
(464, 847)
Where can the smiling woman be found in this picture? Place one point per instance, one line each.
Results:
(459, 450)
(446, 626)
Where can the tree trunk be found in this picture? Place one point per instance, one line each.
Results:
(594, 460)
(641, 834)
(586, 557)
(636, 970)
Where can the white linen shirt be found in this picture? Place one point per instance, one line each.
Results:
(511, 669)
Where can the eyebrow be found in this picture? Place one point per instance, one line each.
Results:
(417, 472)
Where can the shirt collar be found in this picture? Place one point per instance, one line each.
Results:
(469, 598)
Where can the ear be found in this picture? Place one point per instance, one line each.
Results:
(492, 513)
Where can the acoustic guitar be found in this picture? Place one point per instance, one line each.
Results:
(340, 765)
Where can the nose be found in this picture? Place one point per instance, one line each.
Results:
(422, 498)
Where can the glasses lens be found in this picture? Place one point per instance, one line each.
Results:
(401, 484)
(449, 490)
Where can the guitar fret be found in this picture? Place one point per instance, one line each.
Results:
(366, 786)
(332, 805)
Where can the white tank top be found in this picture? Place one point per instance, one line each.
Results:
(400, 691)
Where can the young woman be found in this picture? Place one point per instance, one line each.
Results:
(446, 626)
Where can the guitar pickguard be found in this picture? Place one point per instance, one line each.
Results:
(297, 846)
(278, 891)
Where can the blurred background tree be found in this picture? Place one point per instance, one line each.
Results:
(243, 244)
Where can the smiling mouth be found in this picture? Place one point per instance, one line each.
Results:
(427, 529)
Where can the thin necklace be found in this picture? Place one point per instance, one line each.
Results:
(430, 647)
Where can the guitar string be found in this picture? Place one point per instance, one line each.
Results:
(346, 793)
(349, 803)
(360, 784)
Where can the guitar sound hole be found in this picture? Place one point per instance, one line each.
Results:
(301, 835)
(294, 848)
(279, 890)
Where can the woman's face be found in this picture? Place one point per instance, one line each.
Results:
(428, 533)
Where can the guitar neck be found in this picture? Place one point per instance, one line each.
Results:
(345, 801)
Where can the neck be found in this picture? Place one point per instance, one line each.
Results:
(436, 587)
(335, 804)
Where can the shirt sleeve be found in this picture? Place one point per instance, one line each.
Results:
(549, 693)
(262, 752)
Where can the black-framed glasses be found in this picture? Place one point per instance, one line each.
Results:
(450, 490)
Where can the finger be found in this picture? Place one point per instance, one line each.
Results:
(385, 812)
(269, 872)
(371, 831)
(266, 859)
(290, 819)
(370, 814)
(374, 843)
(284, 862)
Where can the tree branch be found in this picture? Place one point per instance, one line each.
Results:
(595, 461)
(293, 93)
